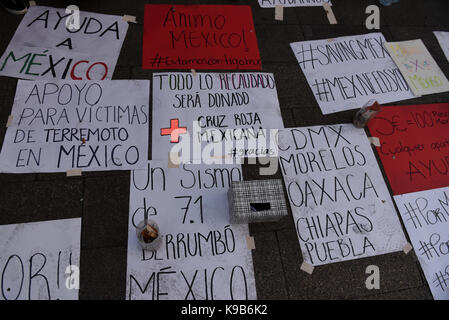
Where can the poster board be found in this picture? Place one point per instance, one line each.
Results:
(40, 260)
(414, 146)
(44, 48)
(346, 72)
(232, 111)
(426, 217)
(341, 207)
(202, 256)
(56, 126)
(199, 37)
(418, 67)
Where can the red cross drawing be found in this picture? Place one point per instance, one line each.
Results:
(174, 131)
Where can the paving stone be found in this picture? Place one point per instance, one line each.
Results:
(284, 223)
(9, 23)
(119, 8)
(343, 280)
(138, 73)
(287, 117)
(105, 212)
(86, 174)
(12, 177)
(318, 32)
(272, 38)
(122, 73)
(134, 8)
(353, 12)
(103, 274)
(260, 15)
(291, 84)
(56, 176)
(312, 116)
(300, 94)
(101, 198)
(40, 200)
(270, 282)
(417, 13)
(251, 171)
(61, 3)
(131, 52)
(312, 15)
(125, 174)
(8, 91)
(420, 293)
(266, 15)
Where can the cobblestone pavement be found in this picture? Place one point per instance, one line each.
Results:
(101, 198)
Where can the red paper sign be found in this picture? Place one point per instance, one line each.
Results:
(199, 37)
(414, 146)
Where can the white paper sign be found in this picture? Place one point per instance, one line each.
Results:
(44, 48)
(345, 73)
(40, 260)
(426, 218)
(443, 39)
(202, 256)
(292, 3)
(341, 206)
(231, 110)
(88, 125)
(422, 73)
